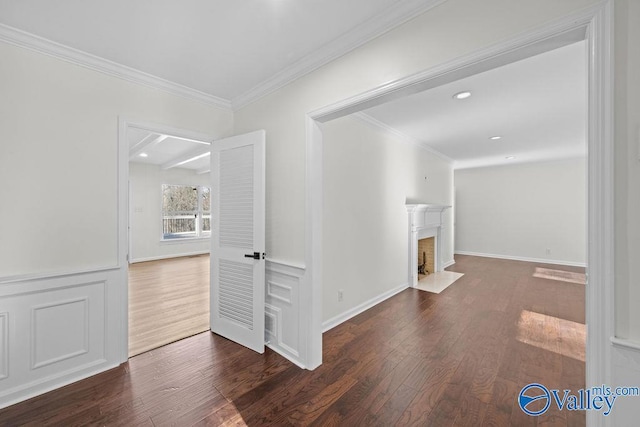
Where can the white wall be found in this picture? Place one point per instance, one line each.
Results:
(450, 30)
(369, 175)
(59, 215)
(58, 152)
(522, 210)
(146, 212)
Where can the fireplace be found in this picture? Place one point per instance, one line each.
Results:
(425, 248)
(426, 257)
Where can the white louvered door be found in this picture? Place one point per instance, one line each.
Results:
(238, 239)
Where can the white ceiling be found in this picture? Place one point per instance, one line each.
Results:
(537, 105)
(222, 48)
(168, 151)
(235, 51)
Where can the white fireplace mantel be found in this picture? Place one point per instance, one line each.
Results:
(425, 220)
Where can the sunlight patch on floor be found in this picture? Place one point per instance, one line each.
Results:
(560, 275)
(552, 333)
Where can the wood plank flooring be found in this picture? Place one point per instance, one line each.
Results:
(455, 358)
(168, 301)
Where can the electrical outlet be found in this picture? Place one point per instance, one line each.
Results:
(340, 295)
(548, 251)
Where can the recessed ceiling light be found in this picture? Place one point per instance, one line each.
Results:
(462, 95)
(510, 157)
(495, 138)
(144, 155)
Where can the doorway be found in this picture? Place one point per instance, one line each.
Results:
(592, 26)
(169, 236)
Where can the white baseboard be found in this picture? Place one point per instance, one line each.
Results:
(343, 317)
(527, 259)
(158, 258)
(54, 382)
(449, 263)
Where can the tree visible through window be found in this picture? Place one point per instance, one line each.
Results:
(186, 211)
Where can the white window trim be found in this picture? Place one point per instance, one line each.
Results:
(184, 240)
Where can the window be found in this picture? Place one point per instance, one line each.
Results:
(186, 212)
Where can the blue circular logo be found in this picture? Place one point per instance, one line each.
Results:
(533, 397)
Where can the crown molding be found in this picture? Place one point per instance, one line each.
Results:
(39, 44)
(361, 34)
(383, 22)
(377, 124)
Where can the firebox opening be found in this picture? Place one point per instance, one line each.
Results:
(426, 257)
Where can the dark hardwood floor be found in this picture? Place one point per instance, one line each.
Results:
(455, 358)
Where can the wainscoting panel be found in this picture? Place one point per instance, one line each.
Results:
(283, 322)
(279, 291)
(626, 373)
(272, 322)
(59, 332)
(54, 331)
(4, 345)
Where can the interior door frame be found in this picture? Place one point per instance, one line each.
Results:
(124, 124)
(595, 25)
